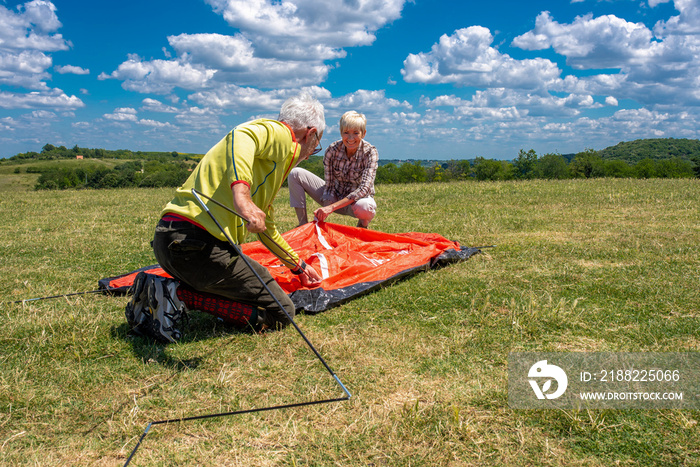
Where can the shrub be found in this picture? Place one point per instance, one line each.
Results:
(646, 168)
(587, 164)
(674, 168)
(489, 169)
(617, 169)
(551, 166)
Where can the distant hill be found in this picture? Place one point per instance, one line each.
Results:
(667, 148)
(50, 153)
(628, 151)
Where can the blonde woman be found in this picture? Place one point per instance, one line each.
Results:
(350, 167)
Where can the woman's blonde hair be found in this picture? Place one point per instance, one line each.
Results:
(352, 119)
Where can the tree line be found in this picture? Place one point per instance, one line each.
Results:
(655, 158)
(152, 174)
(140, 169)
(586, 164)
(527, 166)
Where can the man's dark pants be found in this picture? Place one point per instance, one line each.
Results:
(204, 263)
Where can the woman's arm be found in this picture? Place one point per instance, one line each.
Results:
(323, 212)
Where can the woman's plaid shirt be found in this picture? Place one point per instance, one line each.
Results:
(353, 177)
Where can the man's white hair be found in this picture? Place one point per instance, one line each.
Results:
(303, 111)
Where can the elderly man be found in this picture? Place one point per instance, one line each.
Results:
(245, 170)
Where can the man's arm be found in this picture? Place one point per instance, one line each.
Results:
(276, 244)
(245, 206)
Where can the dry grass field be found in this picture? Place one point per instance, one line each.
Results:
(582, 265)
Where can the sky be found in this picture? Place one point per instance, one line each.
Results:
(437, 79)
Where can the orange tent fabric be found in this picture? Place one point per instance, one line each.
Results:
(124, 282)
(348, 255)
(352, 261)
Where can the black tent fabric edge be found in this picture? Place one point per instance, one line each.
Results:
(316, 300)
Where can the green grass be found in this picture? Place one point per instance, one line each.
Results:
(587, 265)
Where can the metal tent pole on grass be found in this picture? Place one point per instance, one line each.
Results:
(347, 396)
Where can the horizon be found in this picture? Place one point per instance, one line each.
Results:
(568, 155)
(481, 81)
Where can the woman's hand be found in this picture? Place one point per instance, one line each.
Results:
(321, 214)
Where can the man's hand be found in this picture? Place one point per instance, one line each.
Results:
(245, 206)
(256, 219)
(310, 278)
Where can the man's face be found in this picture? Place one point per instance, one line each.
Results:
(313, 144)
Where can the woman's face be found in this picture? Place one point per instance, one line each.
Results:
(352, 137)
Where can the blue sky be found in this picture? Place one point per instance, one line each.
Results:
(437, 79)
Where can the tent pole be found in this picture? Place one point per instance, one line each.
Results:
(308, 343)
(59, 296)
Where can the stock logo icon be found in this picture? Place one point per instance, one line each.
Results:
(542, 371)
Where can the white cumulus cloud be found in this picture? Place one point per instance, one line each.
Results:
(153, 105)
(159, 76)
(154, 123)
(239, 98)
(341, 24)
(51, 99)
(123, 114)
(31, 27)
(687, 22)
(588, 42)
(27, 38)
(272, 49)
(466, 58)
(25, 69)
(70, 69)
(365, 101)
(643, 65)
